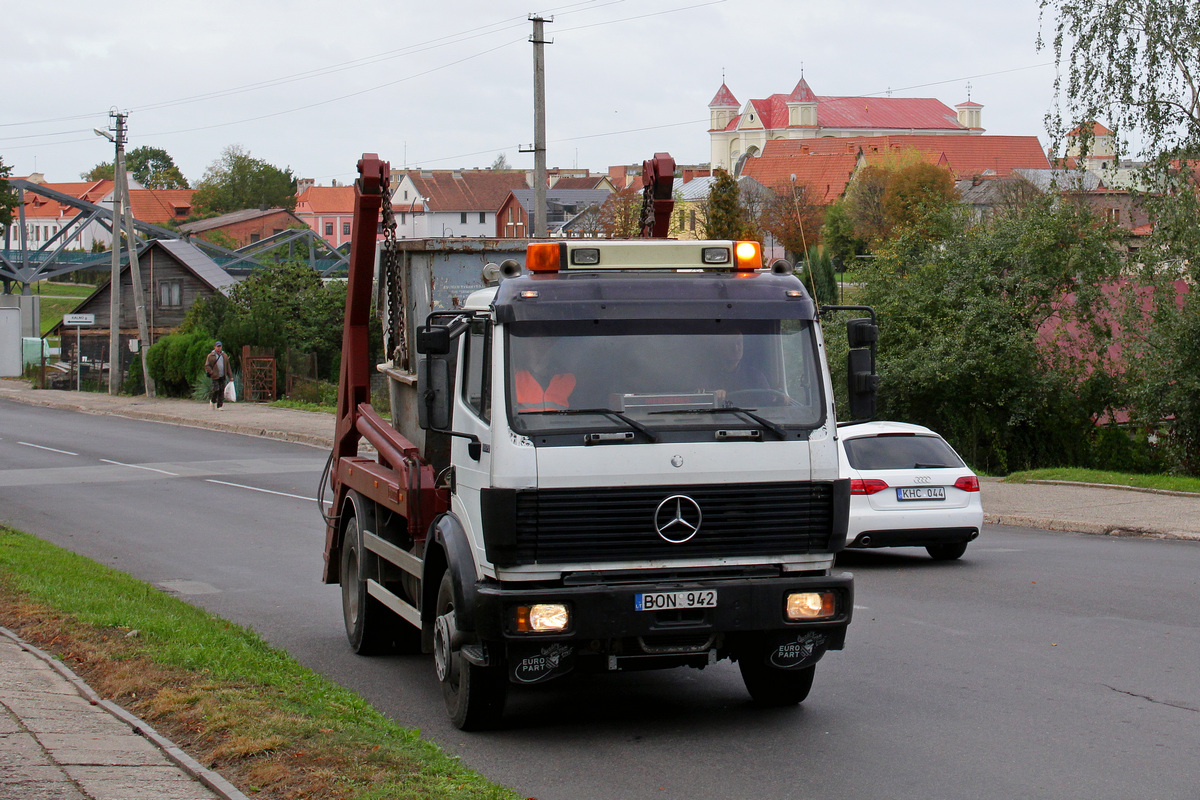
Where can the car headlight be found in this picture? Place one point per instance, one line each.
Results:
(811, 605)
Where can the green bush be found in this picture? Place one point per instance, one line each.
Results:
(177, 362)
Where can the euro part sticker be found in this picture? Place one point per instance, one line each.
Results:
(543, 664)
(799, 650)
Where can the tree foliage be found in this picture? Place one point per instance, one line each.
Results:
(838, 239)
(913, 195)
(864, 204)
(1135, 66)
(997, 335)
(238, 181)
(794, 217)
(282, 306)
(621, 214)
(152, 167)
(8, 198)
(725, 217)
(500, 164)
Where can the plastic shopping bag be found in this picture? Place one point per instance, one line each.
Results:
(230, 393)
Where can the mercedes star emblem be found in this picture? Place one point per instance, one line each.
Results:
(677, 518)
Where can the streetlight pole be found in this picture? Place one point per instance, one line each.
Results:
(114, 283)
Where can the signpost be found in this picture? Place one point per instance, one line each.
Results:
(78, 321)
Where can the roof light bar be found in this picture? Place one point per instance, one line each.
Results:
(749, 256)
(544, 256)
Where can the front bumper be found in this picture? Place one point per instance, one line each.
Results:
(607, 632)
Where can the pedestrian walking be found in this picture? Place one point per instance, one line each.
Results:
(216, 366)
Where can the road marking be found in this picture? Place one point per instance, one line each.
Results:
(139, 466)
(256, 489)
(51, 449)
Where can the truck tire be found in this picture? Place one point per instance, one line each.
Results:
(771, 687)
(371, 626)
(474, 695)
(946, 552)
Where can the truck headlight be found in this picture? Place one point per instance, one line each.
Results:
(811, 605)
(543, 618)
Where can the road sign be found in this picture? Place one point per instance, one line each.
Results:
(79, 319)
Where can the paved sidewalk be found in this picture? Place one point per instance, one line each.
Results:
(59, 739)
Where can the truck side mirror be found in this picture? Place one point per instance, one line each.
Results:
(861, 333)
(433, 340)
(862, 382)
(433, 393)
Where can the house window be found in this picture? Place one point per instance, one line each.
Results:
(254, 237)
(692, 221)
(1113, 215)
(170, 294)
(345, 229)
(329, 229)
(482, 217)
(462, 218)
(402, 217)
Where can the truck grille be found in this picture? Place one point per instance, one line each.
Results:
(577, 525)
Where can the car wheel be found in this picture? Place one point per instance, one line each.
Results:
(474, 695)
(946, 552)
(772, 687)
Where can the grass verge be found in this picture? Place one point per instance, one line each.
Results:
(1170, 483)
(272, 727)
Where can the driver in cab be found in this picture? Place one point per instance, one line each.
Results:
(540, 386)
(731, 371)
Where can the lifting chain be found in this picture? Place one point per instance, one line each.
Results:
(395, 338)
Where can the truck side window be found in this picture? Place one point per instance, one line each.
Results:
(477, 373)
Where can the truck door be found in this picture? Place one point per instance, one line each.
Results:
(473, 414)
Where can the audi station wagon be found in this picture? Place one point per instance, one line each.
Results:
(908, 488)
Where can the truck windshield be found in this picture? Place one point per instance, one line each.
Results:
(663, 375)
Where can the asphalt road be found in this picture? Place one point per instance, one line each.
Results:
(1042, 665)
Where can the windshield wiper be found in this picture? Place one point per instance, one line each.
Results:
(773, 427)
(608, 412)
(919, 465)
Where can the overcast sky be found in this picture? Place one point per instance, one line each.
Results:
(445, 85)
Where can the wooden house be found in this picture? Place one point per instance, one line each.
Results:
(175, 274)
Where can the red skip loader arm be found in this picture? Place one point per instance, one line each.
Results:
(400, 480)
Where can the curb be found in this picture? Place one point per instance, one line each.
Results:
(1074, 526)
(172, 751)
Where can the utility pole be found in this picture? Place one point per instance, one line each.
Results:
(114, 283)
(123, 214)
(540, 229)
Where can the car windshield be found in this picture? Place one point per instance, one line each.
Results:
(602, 376)
(903, 451)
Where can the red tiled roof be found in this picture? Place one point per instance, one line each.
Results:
(862, 113)
(468, 190)
(964, 155)
(594, 182)
(1097, 130)
(326, 200)
(154, 206)
(724, 99)
(826, 173)
(802, 93)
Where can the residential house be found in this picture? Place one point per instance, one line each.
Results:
(175, 274)
(244, 227)
(737, 131)
(569, 212)
(451, 203)
(48, 220)
(691, 203)
(328, 210)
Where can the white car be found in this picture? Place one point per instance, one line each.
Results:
(908, 488)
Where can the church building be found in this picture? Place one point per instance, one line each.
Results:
(738, 132)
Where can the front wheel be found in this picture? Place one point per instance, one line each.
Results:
(946, 552)
(474, 695)
(771, 687)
